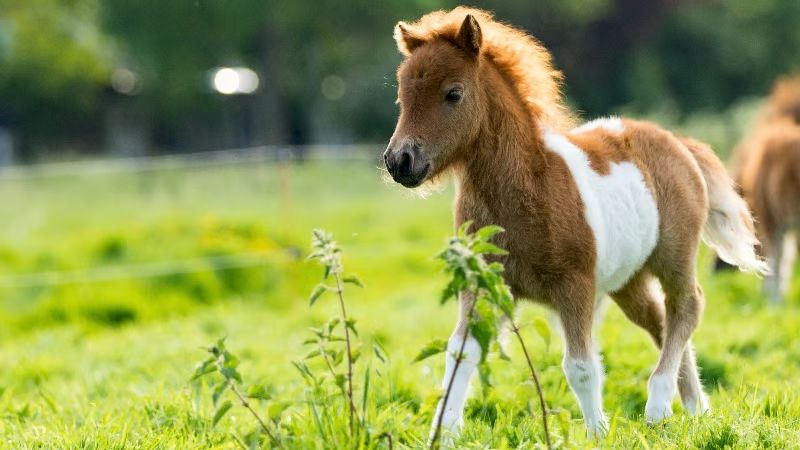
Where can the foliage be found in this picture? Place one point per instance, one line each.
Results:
(472, 276)
(221, 368)
(617, 55)
(54, 62)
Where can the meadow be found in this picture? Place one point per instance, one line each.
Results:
(112, 283)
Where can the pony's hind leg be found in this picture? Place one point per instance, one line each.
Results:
(582, 367)
(451, 415)
(683, 308)
(693, 398)
(775, 247)
(643, 303)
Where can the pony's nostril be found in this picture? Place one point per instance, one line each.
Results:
(405, 163)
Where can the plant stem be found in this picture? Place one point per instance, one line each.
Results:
(515, 329)
(246, 404)
(438, 430)
(324, 354)
(349, 355)
(388, 436)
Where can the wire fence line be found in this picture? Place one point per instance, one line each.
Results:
(143, 164)
(134, 271)
(225, 157)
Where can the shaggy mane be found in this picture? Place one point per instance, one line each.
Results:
(522, 60)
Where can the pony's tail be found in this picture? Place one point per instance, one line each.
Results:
(729, 229)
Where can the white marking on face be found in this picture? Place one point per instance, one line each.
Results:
(660, 392)
(585, 378)
(620, 210)
(612, 124)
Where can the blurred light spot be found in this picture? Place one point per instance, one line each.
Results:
(235, 80)
(333, 87)
(124, 81)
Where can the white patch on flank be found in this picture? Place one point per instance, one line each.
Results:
(660, 392)
(585, 377)
(452, 419)
(620, 210)
(612, 124)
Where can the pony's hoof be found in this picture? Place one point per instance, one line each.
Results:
(450, 430)
(660, 392)
(697, 407)
(656, 412)
(597, 430)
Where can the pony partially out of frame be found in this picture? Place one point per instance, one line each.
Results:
(767, 167)
(612, 207)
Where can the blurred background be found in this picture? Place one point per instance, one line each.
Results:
(141, 77)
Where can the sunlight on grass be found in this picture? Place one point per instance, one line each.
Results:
(106, 363)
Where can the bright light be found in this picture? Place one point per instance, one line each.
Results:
(235, 80)
(125, 81)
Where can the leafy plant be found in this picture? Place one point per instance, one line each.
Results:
(471, 274)
(327, 251)
(221, 368)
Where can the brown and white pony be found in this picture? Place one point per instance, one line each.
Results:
(610, 207)
(767, 167)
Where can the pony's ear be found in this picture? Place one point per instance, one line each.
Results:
(469, 35)
(407, 40)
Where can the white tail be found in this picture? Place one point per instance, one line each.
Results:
(729, 229)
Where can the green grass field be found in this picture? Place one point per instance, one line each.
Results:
(98, 346)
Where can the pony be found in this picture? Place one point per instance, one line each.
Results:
(614, 206)
(767, 169)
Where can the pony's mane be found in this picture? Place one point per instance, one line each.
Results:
(522, 60)
(784, 101)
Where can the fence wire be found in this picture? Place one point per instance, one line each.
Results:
(226, 157)
(133, 271)
(210, 159)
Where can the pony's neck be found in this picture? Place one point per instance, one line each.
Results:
(508, 153)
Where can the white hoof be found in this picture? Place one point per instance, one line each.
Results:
(660, 392)
(451, 427)
(597, 429)
(697, 407)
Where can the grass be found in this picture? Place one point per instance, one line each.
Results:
(105, 363)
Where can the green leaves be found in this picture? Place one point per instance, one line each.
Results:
(433, 347)
(203, 369)
(488, 232)
(316, 293)
(222, 409)
(260, 392)
(352, 279)
(218, 391)
(327, 251)
(483, 326)
(481, 283)
(221, 369)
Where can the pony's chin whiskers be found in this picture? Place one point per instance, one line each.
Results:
(386, 177)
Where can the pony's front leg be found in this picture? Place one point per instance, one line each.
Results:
(582, 366)
(455, 383)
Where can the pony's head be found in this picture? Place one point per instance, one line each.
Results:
(439, 98)
(458, 63)
(784, 101)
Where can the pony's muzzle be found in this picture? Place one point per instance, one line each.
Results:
(407, 165)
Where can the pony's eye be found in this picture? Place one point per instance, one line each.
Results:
(454, 95)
